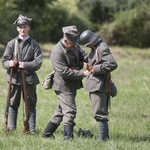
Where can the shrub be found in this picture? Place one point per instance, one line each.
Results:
(130, 27)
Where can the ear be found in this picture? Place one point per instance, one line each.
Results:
(65, 40)
(17, 29)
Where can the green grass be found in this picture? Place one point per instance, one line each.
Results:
(129, 119)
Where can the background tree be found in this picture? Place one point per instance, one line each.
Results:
(130, 27)
(49, 16)
(98, 11)
(121, 22)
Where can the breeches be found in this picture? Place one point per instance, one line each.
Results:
(66, 109)
(16, 93)
(100, 105)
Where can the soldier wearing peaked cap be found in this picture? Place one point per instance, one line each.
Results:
(22, 52)
(71, 33)
(66, 57)
(22, 20)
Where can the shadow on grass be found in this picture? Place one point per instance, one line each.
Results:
(140, 138)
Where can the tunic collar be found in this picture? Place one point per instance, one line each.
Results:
(63, 46)
(19, 38)
(97, 43)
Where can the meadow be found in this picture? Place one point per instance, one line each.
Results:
(129, 118)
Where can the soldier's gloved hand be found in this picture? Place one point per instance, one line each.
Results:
(21, 64)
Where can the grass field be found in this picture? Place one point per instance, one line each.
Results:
(129, 118)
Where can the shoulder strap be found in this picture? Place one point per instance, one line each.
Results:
(96, 54)
(68, 61)
(32, 41)
(15, 56)
(78, 51)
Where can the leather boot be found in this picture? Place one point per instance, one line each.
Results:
(32, 119)
(49, 130)
(13, 117)
(107, 135)
(68, 132)
(103, 131)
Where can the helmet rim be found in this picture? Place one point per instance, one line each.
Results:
(88, 37)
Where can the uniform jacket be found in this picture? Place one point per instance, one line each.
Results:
(30, 54)
(102, 61)
(67, 75)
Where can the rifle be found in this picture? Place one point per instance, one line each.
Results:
(6, 129)
(108, 87)
(109, 84)
(24, 92)
(24, 89)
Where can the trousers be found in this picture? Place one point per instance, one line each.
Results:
(66, 109)
(15, 103)
(99, 105)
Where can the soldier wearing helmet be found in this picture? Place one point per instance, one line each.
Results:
(88, 37)
(100, 64)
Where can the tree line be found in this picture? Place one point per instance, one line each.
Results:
(119, 22)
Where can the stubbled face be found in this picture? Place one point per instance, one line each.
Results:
(69, 45)
(23, 30)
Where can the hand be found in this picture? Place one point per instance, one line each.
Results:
(89, 68)
(86, 73)
(21, 64)
(92, 71)
(13, 63)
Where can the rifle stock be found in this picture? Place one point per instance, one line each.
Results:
(6, 129)
(24, 88)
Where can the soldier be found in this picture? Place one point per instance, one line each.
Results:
(100, 64)
(22, 53)
(66, 57)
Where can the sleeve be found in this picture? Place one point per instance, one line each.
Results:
(8, 55)
(106, 63)
(59, 63)
(36, 63)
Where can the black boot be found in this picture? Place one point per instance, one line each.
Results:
(49, 130)
(13, 117)
(32, 119)
(103, 131)
(107, 135)
(68, 132)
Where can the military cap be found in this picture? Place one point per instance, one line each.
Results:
(71, 33)
(22, 20)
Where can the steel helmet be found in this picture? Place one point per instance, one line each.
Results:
(88, 37)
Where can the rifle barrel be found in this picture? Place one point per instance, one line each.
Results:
(7, 104)
(24, 88)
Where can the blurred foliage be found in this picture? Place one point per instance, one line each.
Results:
(130, 27)
(121, 22)
(98, 11)
(49, 16)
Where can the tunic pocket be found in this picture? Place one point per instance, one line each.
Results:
(94, 78)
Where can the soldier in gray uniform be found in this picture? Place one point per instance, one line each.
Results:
(67, 58)
(22, 53)
(100, 64)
